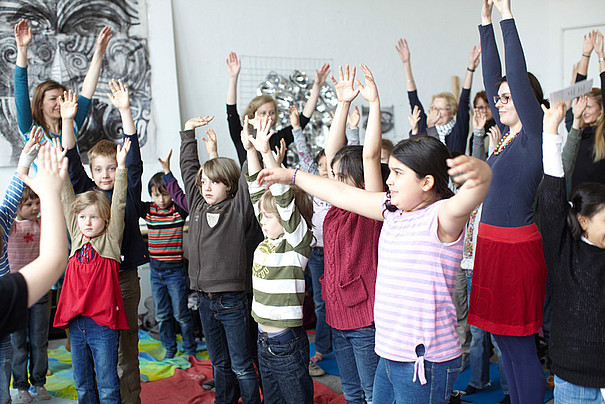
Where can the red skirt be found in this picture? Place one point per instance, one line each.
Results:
(509, 280)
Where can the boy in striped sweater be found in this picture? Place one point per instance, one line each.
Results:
(169, 284)
(278, 277)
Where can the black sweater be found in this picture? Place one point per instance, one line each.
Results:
(577, 275)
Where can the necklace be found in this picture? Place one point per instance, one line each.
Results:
(505, 141)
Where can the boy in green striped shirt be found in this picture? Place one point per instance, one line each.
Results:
(278, 279)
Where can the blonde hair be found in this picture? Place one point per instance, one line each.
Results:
(103, 148)
(93, 198)
(258, 102)
(599, 140)
(449, 98)
(221, 169)
(301, 200)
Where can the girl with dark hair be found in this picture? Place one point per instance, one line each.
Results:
(265, 106)
(419, 252)
(45, 108)
(574, 248)
(509, 274)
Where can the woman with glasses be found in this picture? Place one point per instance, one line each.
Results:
(509, 275)
(447, 120)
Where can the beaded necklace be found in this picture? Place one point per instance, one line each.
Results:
(504, 141)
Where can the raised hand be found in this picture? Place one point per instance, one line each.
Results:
(210, 142)
(344, 86)
(121, 153)
(494, 137)
(23, 34)
(474, 57)
(597, 40)
(579, 106)
(261, 142)
(414, 119)
(553, 116)
(294, 117)
(369, 91)
(245, 135)
(403, 50)
(270, 176)
(280, 151)
(103, 39)
(588, 44)
(51, 173)
(198, 121)
(119, 96)
(69, 105)
(469, 171)
(354, 117)
(234, 64)
(479, 118)
(166, 162)
(432, 117)
(486, 11)
(503, 7)
(34, 142)
(321, 75)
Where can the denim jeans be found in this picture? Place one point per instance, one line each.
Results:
(568, 393)
(394, 382)
(284, 366)
(169, 288)
(225, 320)
(128, 349)
(35, 350)
(5, 369)
(94, 348)
(357, 362)
(480, 353)
(323, 334)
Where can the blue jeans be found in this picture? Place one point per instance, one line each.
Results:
(36, 350)
(480, 353)
(94, 348)
(5, 369)
(224, 318)
(169, 288)
(394, 382)
(357, 362)
(568, 393)
(323, 334)
(284, 367)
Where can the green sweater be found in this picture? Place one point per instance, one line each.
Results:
(278, 280)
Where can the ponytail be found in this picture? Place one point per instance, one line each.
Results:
(586, 200)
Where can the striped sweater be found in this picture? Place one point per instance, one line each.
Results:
(165, 237)
(278, 280)
(8, 210)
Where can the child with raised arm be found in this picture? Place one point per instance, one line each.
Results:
(8, 210)
(221, 214)
(278, 280)
(133, 251)
(91, 304)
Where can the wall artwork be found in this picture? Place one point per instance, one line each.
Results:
(64, 37)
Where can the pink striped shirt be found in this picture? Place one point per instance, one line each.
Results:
(414, 287)
(23, 243)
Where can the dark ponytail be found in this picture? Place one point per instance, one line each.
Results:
(586, 200)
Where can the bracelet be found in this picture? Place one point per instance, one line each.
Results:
(470, 70)
(601, 60)
(585, 55)
(294, 175)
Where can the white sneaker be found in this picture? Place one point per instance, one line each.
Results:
(315, 370)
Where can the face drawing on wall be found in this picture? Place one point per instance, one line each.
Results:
(64, 38)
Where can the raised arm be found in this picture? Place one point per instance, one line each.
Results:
(23, 37)
(254, 165)
(118, 199)
(479, 120)
(352, 132)
(210, 142)
(69, 107)
(94, 70)
(307, 161)
(372, 144)
(234, 65)
(572, 144)
(120, 98)
(190, 163)
(404, 54)
(587, 48)
(320, 78)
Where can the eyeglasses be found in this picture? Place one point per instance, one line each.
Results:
(504, 99)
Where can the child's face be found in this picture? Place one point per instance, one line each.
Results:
(322, 166)
(104, 171)
(271, 225)
(213, 191)
(29, 210)
(162, 199)
(594, 228)
(91, 224)
(408, 192)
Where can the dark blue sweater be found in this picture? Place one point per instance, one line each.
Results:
(516, 171)
(133, 248)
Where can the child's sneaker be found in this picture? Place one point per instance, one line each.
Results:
(24, 396)
(315, 370)
(43, 394)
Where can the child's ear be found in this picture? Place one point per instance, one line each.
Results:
(428, 183)
(583, 220)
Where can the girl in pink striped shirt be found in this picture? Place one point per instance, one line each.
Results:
(419, 252)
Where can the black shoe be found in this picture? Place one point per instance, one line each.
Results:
(469, 390)
(209, 385)
(505, 400)
(455, 397)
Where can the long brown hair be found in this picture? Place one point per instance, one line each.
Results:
(599, 140)
(38, 99)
